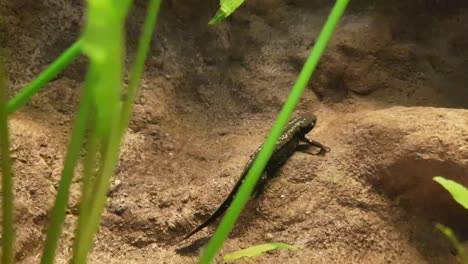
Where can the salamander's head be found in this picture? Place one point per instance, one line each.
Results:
(308, 122)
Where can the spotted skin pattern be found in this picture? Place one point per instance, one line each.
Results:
(285, 147)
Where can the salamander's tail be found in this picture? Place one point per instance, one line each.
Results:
(220, 211)
(223, 207)
(208, 221)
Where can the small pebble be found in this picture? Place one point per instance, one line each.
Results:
(222, 133)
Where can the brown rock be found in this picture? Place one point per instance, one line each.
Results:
(400, 150)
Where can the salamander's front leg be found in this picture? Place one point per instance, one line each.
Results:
(323, 148)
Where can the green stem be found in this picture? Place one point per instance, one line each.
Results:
(246, 188)
(86, 189)
(137, 71)
(99, 197)
(55, 68)
(61, 201)
(8, 234)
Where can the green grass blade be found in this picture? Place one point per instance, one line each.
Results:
(55, 68)
(99, 195)
(8, 231)
(103, 44)
(458, 246)
(97, 50)
(86, 188)
(458, 191)
(111, 154)
(73, 153)
(252, 177)
(137, 71)
(227, 7)
(258, 250)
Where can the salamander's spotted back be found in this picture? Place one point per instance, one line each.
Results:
(285, 146)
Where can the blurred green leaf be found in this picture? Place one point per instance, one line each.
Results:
(8, 219)
(103, 43)
(258, 250)
(458, 191)
(451, 236)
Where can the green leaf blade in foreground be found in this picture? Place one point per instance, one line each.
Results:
(118, 125)
(258, 250)
(226, 9)
(63, 192)
(103, 38)
(458, 191)
(137, 71)
(8, 231)
(451, 236)
(103, 44)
